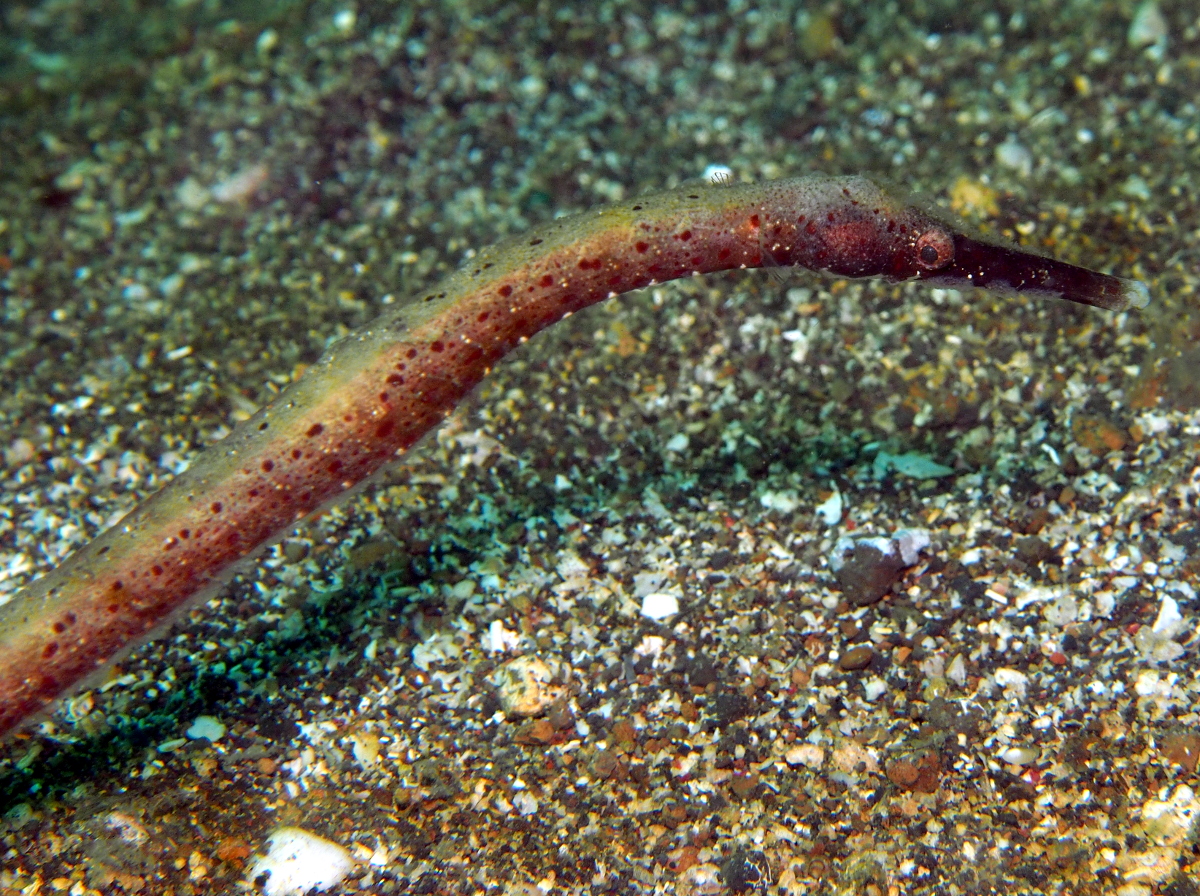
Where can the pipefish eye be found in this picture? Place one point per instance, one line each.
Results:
(935, 249)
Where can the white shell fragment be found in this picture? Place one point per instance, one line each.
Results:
(298, 862)
(524, 687)
(1156, 643)
(206, 728)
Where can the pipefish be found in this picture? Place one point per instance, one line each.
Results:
(377, 391)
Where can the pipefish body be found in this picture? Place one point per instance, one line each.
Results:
(379, 390)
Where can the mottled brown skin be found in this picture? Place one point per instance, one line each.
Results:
(382, 388)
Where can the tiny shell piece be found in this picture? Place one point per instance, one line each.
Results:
(206, 728)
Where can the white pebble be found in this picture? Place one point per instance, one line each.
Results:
(677, 443)
(1169, 621)
(783, 501)
(1012, 680)
(718, 174)
(1015, 156)
(1063, 611)
(809, 755)
(957, 670)
(298, 862)
(240, 186)
(525, 803)
(874, 688)
(267, 41)
(910, 543)
(1148, 26)
(660, 605)
(830, 510)
(1026, 755)
(524, 687)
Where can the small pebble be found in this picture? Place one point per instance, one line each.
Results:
(298, 862)
(1183, 749)
(1148, 26)
(524, 687)
(1020, 755)
(856, 658)
(809, 755)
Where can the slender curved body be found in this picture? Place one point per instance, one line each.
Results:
(379, 390)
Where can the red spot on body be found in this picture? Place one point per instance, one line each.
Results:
(724, 254)
(268, 466)
(687, 234)
(412, 353)
(505, 291)
(297, 454)
(335, 467)
(49, 650)
(754, 221)
(641, 246)
(384, 429)
(546, 282)
(437, 345)
(156, 569)
(483, 316)
(185, 533)
(216, 507)
(315, 430)
(395, 380)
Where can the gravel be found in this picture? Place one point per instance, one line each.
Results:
(198, 198)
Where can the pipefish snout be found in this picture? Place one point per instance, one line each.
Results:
(376, 392)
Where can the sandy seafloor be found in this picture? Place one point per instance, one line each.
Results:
(197, 197)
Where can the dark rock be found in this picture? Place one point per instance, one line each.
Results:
(867, 574)
(720, 559)
(700, 671)
(1034, 550)
(968, 589)
(729, 706)
(746, 870)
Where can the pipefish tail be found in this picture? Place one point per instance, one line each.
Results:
(376, 392)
